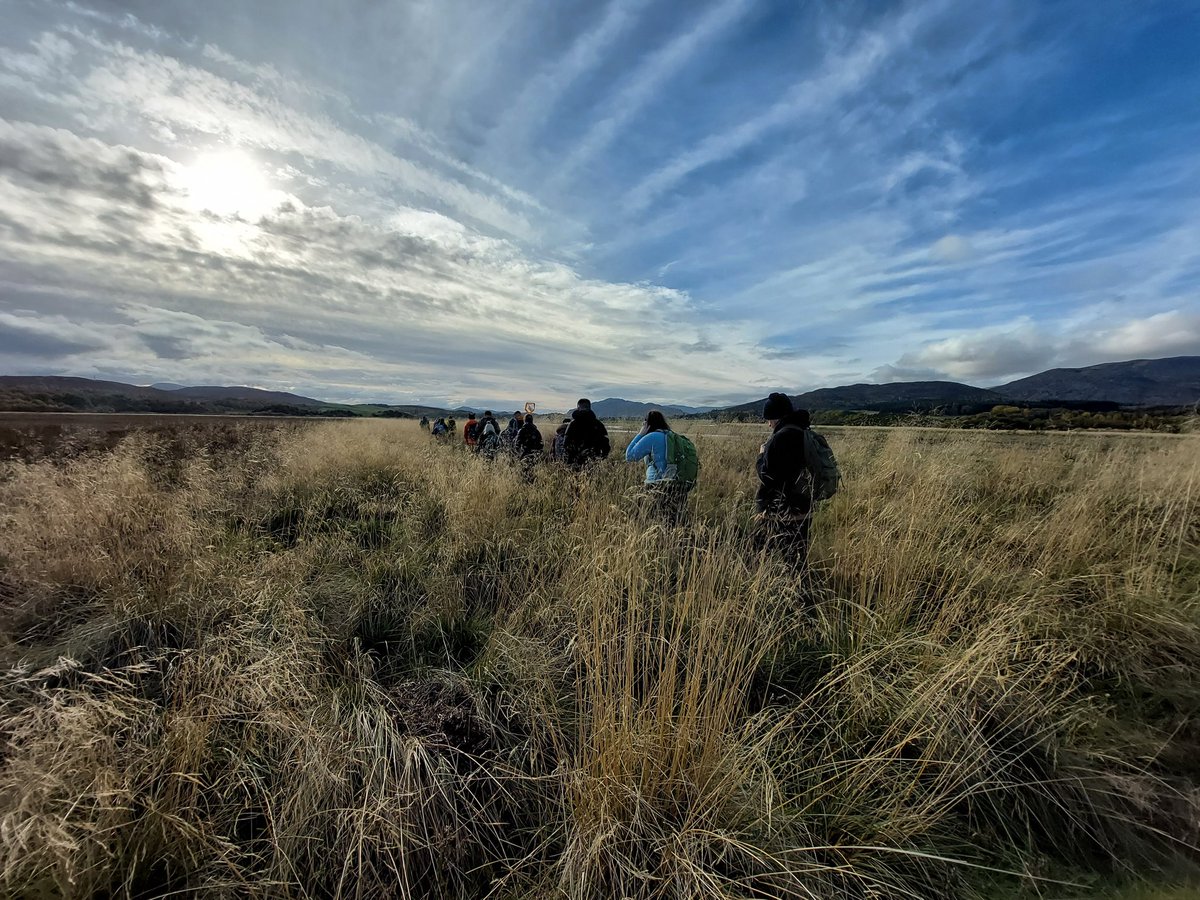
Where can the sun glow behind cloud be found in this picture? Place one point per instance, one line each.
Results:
(228, 183)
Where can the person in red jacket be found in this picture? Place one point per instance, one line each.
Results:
(470, 431)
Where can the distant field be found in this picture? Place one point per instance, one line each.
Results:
(261, 658)
(39, 435)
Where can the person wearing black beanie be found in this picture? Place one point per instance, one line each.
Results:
(785, 484)
(776, 407)
(586, 438)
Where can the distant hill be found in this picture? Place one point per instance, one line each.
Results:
(897, 397)
(215, 392)
(1174, 381)
(616, 408)
(50, 393)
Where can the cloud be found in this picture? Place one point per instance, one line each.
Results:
(542, 93)
(993, 355)
(396, 299)
(1171, 333)
(121, 87)
(27, 335)
(871, 181)
(983, 354)
(649, 78)
(841, 74)
(953, 248)
(53, 159)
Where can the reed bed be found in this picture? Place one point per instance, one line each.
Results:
(343, 661)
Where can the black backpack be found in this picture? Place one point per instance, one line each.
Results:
(821, 465)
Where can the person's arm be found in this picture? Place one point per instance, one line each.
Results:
(639, 448)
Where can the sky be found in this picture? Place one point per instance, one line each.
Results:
(679, 201)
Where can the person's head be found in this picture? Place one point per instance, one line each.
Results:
(584, 403)
(470, 415)
(777, 407)
(528, 419)
(656, 421)
(802, 418)
(487, 413)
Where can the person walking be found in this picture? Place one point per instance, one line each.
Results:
(486, 419)
(586, 438)
(489, 438)
(529, 446)
(470, 431)
(785, 483)
(424, 423)
(558, 451)
(663, 450)
(452, 428)
(509, 437)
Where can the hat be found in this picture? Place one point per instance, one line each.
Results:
(777, 406)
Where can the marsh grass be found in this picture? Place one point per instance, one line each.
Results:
(343, 662)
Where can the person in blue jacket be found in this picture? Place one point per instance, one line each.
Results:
(667, 493)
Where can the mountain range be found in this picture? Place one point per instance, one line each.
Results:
(615, 408)
(1172, 382)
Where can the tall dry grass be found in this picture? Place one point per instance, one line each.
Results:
(344, 662)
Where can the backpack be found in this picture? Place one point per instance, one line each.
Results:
(681, 453)
(821, 464)
(531, 442)
(489, 443)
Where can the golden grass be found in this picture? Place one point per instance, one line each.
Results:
(343, 661)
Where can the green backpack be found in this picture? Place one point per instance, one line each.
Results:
(681, 453)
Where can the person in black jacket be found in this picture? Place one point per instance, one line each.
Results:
(529, 446)
(586, 438)
(785, 494)
(486, 419)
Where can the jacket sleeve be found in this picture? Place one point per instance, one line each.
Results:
(639, 448)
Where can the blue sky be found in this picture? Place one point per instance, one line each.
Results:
(697, 202)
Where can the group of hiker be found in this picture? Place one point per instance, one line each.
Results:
(580, 439)
(795, 467)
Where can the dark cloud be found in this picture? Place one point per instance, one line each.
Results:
(49, 159)
(165, 347)
(18, 340)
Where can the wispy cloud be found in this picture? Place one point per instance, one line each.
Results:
(707, 199)
(842, 73)
(649, 78)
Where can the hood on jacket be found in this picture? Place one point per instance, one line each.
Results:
(799, 418)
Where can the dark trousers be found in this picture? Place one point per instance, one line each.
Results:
(786, 537)
(666, 501)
